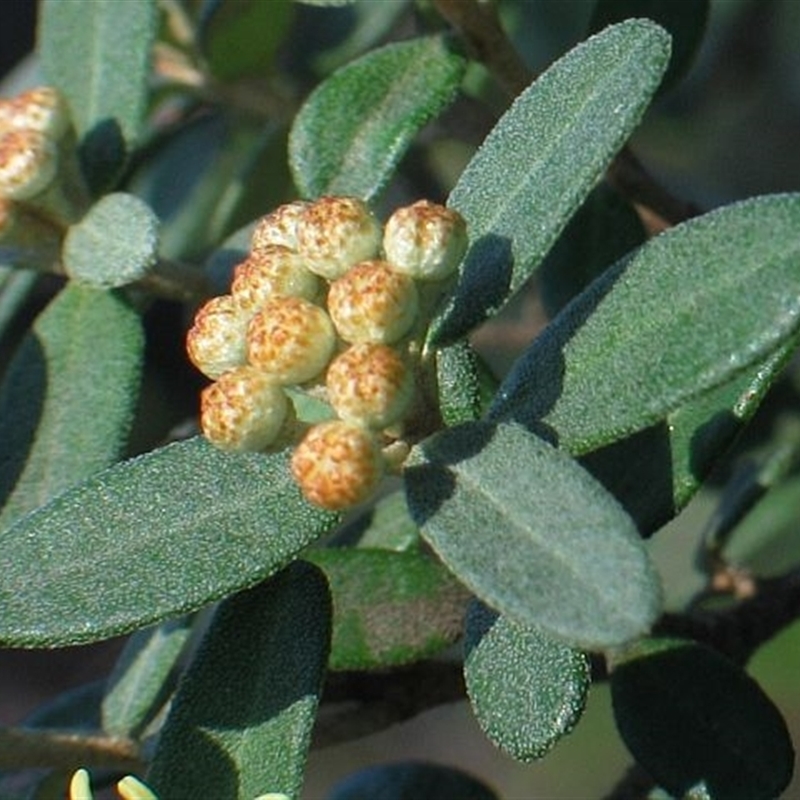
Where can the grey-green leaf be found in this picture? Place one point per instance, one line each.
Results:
(527, 689)
(68, 398)
(689, 716)
(541, 161)
(688, 312)
(240, 725)
(98, 54)
(355, 127)
(157, 536)
(389, 608)
(116, 243)
(140, 680)
(533, 534)
(465, 384)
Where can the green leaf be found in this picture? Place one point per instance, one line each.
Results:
(541, 161)
(157, 536)
(527, 690)
(68, 398)
(690, 716)
(409, 780)
(388, 608)
(139, 683)
(533, 534)
(240, 724)
(605, 228)
(686, 23)
(98, 54)
(240, 38)
(385, 525)
(465, 383)
(16, 286)
(116, 243)
(355, 127)
(691, 310)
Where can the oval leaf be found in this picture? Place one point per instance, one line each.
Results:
(98, 55)
(533, 534)
(116, 243)
(68, 398)
(527, 690)
(541, 161)
(154, 537)
(465, 384)
(690, 716)
(389, 608)
(354, 128)
(240, 724)
(734, 297)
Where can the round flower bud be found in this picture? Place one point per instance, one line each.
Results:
(42, 109)
(28, 164)
(334, 233)
(279, 227)
(272, 271)
(243, 411)
(373, 303)
(216, 342)
(337, 465)
(370, 385)
(291, 339)
(425, 240)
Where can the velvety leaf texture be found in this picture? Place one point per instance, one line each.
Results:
(68, 398)
(687, 312)
(354, 128)
(154, 537)
(240, 724)
(533, 534)
(114, 244)
(541, 161)
(691, 717)
(527, 690)
(389, 608)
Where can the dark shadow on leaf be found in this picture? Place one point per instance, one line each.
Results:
(102, 155)
(21, 407)
(711, 439)
(480, 619)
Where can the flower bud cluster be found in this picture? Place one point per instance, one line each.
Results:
(40, 178)
(326, 303)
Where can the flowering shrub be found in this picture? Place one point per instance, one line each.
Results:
(255, 426)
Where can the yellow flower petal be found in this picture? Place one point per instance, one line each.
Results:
(130, 788)
(79, 786)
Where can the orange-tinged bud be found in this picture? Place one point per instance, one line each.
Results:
(334, 233)
(373, 303)
(338, 465)
(272, 271)
(370, 385)
(217, 341)
(42, 109)
(279, 227)
(291, 339)
(28, 164)
(425, 240)
(243, 411)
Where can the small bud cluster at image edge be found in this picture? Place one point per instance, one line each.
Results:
(327, 303)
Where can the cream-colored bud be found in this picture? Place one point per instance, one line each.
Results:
(42, 109)
(425, 240)
(338, 465)
(370, 384)
(291, 339)
(217, 341)
(28, 164)
(334, 233)
(373, 303)
(243, 411)
(279, 227)
(272, 271)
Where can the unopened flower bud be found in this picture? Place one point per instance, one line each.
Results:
(272, 271)
(370, 384)
(217, 341)
(243, 410)
(337, 465)
(42, 109)
(373, 303)
(291, 339)
(28, 164)
(334, 233)
(279, 226)
(425, 240)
